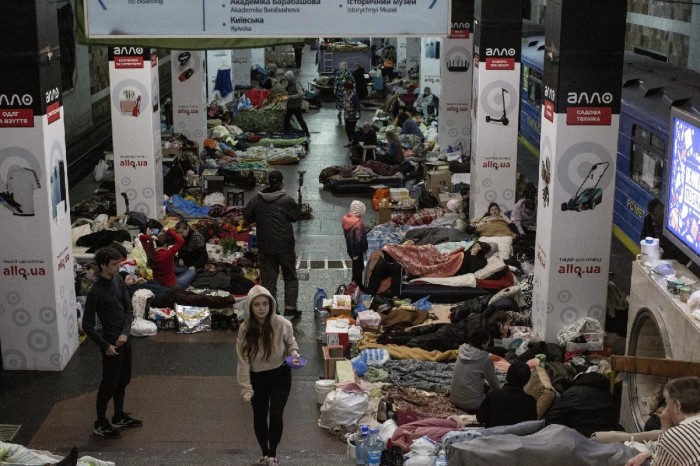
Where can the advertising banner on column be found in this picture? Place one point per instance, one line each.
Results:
(456, 72)
(189, 117)
(580, 120)
(496, 93)
(431, 51)
(241, 61)
(134, 94)
(38, 322)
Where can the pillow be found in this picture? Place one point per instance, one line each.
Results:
(493, 265)
(541, 388)
(505, 245)
(493, 250)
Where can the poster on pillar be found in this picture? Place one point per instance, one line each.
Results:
(456, 72)
(495, 100)
(241, 62)
(431, 51)
(38, 330)
(189, 117)
(134, 95)
(578, 147)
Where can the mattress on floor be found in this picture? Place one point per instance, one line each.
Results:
(351, 185)
(452, 294)
(441, 293)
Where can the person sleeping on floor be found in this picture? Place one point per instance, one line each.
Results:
(422, 261)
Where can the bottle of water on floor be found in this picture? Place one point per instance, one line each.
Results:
(360, 456)
(441, 459)
(374, 446)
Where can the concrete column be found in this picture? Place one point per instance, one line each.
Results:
(456, 73)
(430, 56)
(138, 156)
(578, 146)
(694, 43)
(189, 106)
(495, 96)
(38, 321)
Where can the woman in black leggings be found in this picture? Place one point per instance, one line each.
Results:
(265, 339)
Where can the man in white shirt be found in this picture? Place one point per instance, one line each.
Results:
(680, 426)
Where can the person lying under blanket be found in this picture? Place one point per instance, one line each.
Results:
(423, 261)
(494, 223)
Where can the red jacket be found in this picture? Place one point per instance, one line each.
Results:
(164, 262)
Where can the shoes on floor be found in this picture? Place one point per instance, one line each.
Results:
(272, 461)
(106, 430)
(70, 460)
(125, 421)
(293, 313)
(262, 460)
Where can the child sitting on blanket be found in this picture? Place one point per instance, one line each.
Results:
(356, 239)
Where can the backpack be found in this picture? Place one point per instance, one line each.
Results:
(427, 201)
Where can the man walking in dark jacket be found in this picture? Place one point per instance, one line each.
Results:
(110, 301)
(273, 211)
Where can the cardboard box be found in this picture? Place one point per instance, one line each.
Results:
(337, 333)
(384, 214)
(331, 354)
(399, 194)
(437, 180)
(338, 312)
(344, 371)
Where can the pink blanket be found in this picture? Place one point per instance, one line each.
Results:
(425, 260)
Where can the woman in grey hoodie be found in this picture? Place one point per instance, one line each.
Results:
(473, 366)
(265, 339)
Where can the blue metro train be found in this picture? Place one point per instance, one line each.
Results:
(649, 89)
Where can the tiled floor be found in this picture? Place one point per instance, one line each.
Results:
(184, 385)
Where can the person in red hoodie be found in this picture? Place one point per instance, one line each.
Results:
(356, 240)
(160, 250)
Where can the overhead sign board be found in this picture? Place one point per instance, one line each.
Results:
(265, 18)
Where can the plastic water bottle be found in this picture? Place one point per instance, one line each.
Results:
(319, 296)
(373, 446)
(441, 459)
(360, 456)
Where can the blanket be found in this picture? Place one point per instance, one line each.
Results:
(403, 352)
(424, 260)
(495, 228)
(572, 449)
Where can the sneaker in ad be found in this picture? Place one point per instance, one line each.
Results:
(106, 430)
(125, 421)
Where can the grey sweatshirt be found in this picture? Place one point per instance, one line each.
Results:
(473, 366)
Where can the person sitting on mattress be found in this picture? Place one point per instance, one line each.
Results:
(472, 368)
(510, 404)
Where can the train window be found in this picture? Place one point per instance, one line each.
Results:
(534, 88)
(647, 160)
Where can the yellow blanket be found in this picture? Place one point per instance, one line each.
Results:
(404, 352)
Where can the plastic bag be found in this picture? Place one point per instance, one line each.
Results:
(191, 319)
(143, 328)
(423, 452)
(423, 304)
(359, 365)
(375, 357)
(342, 409)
